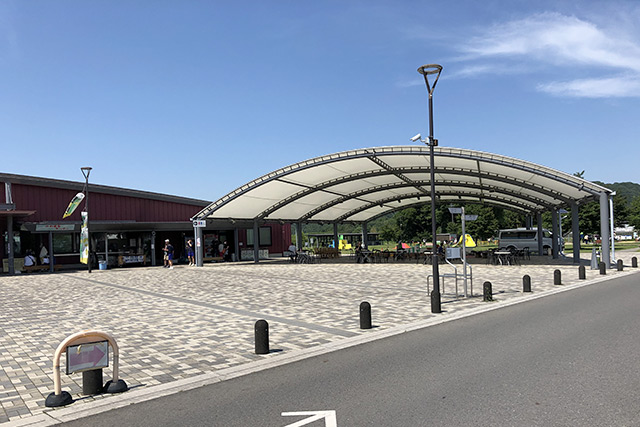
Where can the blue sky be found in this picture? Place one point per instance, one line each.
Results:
(196, 98)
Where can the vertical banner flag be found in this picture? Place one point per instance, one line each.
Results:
(73, 204)
(84, 239)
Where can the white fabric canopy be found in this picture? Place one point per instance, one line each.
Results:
(360, 185)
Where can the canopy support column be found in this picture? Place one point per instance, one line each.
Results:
(256, 244)
(236, 244)
(365, 235)
(335, 235)
(575, 230)
(199, 247)
(540, 235)
(604, 228)
(555, 230)
(613, 240)
(299, 235)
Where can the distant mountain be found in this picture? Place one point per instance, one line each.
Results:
(629, 190)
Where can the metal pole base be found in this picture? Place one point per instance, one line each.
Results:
(117, 387)
(436, 306)
(92, 382)
(55, 400)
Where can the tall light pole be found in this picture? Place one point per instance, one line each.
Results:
(86, 171)
(426, 70)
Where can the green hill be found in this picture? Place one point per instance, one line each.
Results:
(629, 190)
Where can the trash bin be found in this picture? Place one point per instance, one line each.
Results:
(102, 265)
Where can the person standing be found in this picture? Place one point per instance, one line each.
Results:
(44, 253)
(190, 252)
(170, 254)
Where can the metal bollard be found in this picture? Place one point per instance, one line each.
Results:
(365, 315)
(487, 291)
(603, 268)
(92, 382)
(620, 265)
(526, 283)
(582, 272)
(557, 277)
(634, 262)
(262, 337)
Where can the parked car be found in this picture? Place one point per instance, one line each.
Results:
(521, 238)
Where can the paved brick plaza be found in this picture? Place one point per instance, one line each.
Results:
(176, 324)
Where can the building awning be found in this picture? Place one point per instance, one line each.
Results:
(361, 185)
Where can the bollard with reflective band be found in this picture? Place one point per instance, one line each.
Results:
(557, 277)
(487, 292)
(526, 283)
(620, 265)
(365, 315)
(582, 272)
(603, 268)
(262, 337)
(634, 262)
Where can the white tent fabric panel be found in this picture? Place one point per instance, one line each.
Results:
(359, 185)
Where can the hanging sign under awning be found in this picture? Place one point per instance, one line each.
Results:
(73, 205)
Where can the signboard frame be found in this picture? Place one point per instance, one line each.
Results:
(70, 348)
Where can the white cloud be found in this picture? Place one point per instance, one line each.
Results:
(551, 40)
(595, 88)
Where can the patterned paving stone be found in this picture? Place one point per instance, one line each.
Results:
(174, 324)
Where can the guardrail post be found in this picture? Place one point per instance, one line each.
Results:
(365, 315)
(582, 272)
(487, 292)
(526, 283)
(557, 277)
(620, 265)
(603, 268)
(262, 337)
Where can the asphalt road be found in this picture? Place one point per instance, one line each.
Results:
(571, 359)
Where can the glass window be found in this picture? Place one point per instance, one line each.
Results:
(63, 243)
(264, 236)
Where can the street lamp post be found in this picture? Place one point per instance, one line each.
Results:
(426, 70)
(86, 171)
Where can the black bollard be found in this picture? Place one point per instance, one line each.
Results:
(603, 268)
(262, 337)
(634, 262)
(582, 273)
(365, 315)
(620, 265)
(526, 283)
(486, 289)
(92, 382)
(557, 277)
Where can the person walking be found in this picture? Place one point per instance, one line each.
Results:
(168, 254)
(191, 253)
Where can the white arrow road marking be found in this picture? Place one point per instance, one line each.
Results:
(329, 418)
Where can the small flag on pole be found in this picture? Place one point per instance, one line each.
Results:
(73, 205)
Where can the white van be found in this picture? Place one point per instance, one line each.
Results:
(521, 238)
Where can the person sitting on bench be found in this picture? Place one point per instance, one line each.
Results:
(29, 260)
(293, 252)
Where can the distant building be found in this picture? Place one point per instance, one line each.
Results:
(627, 232)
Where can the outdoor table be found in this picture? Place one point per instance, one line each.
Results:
(503, 257)
(363, 256)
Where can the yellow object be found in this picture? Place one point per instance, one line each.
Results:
(468, 242)
(344, 244)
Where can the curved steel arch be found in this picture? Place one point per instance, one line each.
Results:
(533, 202)
(238, 203)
